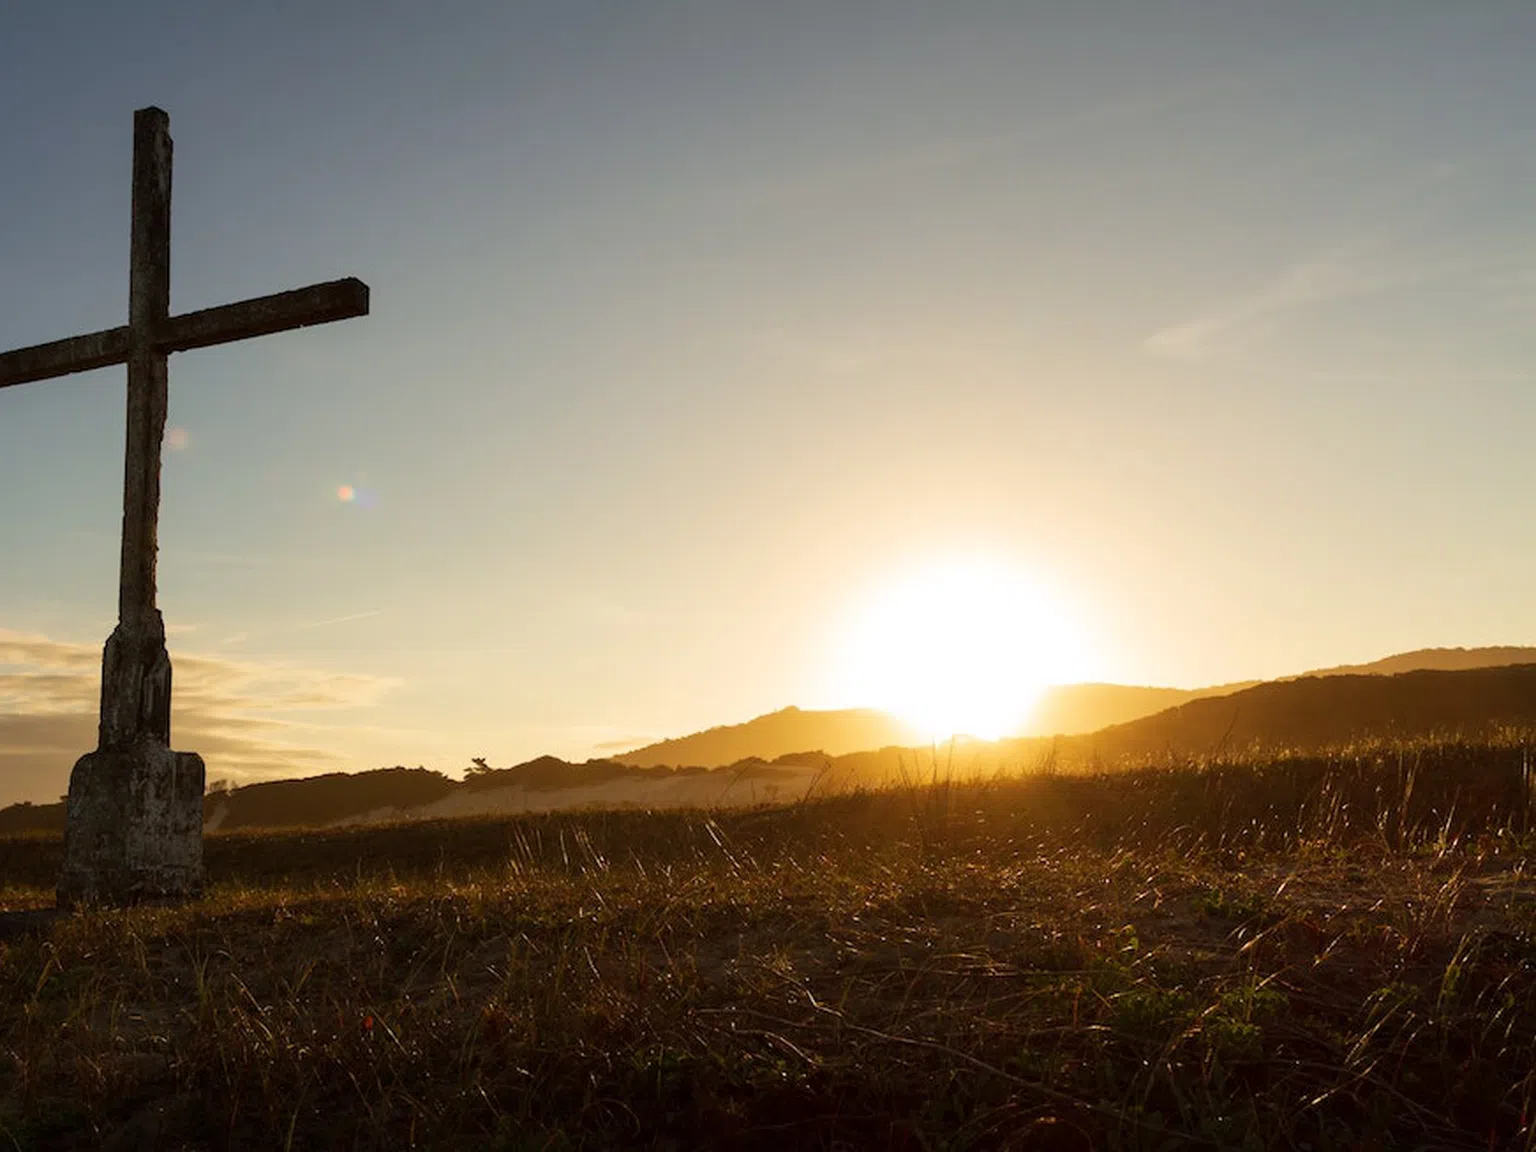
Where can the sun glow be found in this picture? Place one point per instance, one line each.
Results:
(959, 648)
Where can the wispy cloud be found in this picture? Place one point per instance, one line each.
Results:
(246, 718)
(341, 619)
(1315, 280)
(1329, 276)
(874, 349)
(946, 153)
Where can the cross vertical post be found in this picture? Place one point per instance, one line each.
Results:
(136, 670)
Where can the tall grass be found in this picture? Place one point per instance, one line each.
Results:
(1334, 952)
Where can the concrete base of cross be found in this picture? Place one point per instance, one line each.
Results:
(135, 827)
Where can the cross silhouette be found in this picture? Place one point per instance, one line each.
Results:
(136, 670)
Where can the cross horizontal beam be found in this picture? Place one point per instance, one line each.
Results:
(263, 316)
(280, 312)
(77, 354)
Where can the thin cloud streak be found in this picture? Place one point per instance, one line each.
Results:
(341, 619)
(941, 154)
(1329, 276)
(1315, 280)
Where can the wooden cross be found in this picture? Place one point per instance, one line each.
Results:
(136, 672)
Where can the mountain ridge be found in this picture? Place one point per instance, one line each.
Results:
(1063, 710)
(1300, 714)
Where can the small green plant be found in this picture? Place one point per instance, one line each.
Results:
(1235, 904)
(1233, 1041)
(1151, 1013)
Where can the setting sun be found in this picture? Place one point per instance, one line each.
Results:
(963, 647)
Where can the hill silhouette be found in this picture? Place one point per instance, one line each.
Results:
(834, 732)
(25, 818)
(1063, 710)
(316, 800)
(1455, 697)
(1433, 659)
(1072, 709)
(1328, 711)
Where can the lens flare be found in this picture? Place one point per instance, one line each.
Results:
(346, 494)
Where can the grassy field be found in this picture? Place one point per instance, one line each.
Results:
(1327, 953)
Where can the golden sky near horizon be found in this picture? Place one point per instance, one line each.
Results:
(729, 357)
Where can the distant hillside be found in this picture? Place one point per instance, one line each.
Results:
(540, 785)
(1330, 710)
(326, 799)
(1063, 710)
(23, 818)
(1434, 659)
(776, 734)
(1070, 709)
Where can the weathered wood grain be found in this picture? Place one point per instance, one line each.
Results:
(265, 315)
(149, 305)
(62, 357)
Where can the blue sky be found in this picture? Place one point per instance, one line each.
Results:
(696, 325)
